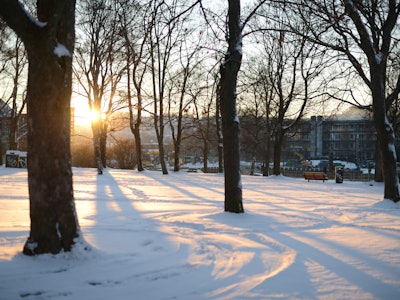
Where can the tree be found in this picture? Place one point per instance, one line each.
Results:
(136, 67)
(364, 33)
(100, 69)
(253, 107)
(230, 121)
(166, 23)
(227, 94)
(12, 53)
(161, 45)
(205, 118)
(49, 42)
(183, 88)
(296, 65)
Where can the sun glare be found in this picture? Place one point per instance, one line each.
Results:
(94, 115)
(82, 113)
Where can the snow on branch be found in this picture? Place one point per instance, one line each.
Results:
(31, 18)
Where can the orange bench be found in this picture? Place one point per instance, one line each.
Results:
(315, 176)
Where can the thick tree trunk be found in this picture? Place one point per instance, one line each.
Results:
(378, 176)
(54, 224)
(277, 154)
(385, 133)
(230, 120)
(378, 55)
(177, 150)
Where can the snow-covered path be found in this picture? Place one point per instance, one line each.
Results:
(166, 237)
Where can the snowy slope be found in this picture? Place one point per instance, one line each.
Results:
(153, 236)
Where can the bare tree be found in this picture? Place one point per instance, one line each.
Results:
(293, 78)
(167, 23)
(230, 121)
(204, 98)
(161, 45)
(364, 33)
(99, 68)
(49, 42)
(14, 70)
(136, 66)
(183, 86)
(227, 92)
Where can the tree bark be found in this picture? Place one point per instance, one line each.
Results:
(219, 130)
(103, 144)
(54, 224)
(267, 150)
(378, 176)
(386, 138)
(277, 152)
(96, 146)
(230, 121)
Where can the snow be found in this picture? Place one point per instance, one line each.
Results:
(152, 236)
(31, 18)
(378, 58)
(239, 43)
(60, 50)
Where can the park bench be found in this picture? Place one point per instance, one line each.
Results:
(192, 170)
(315, 176)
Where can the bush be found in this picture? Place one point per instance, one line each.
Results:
(122, 154)
(83, 155)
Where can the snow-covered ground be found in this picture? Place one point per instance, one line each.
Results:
(154, 236)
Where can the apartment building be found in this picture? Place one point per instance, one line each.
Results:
(344, 139)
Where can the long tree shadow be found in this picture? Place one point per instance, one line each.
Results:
(119, 227)
(348, 265)
(189, 189)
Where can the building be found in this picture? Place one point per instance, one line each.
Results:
(319, 137)
(21, 132)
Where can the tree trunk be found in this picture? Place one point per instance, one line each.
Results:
(178, 138)
(378, 176)
(252, 166)
(14, 114)
(219, 131)
(54, 225)
(277, 153)
(138, 144)
(267, 154)
(162, 157)
(230, 121)
(103, 145)
(205, 156)
(97, 147)
(177, 151)
(378, 55)
(385, 133)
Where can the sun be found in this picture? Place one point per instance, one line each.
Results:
(94, 115)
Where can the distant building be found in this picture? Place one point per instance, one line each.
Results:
(5, 121)
(319, 137)
(5, 113)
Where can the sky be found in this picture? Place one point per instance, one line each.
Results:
(153, 236)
